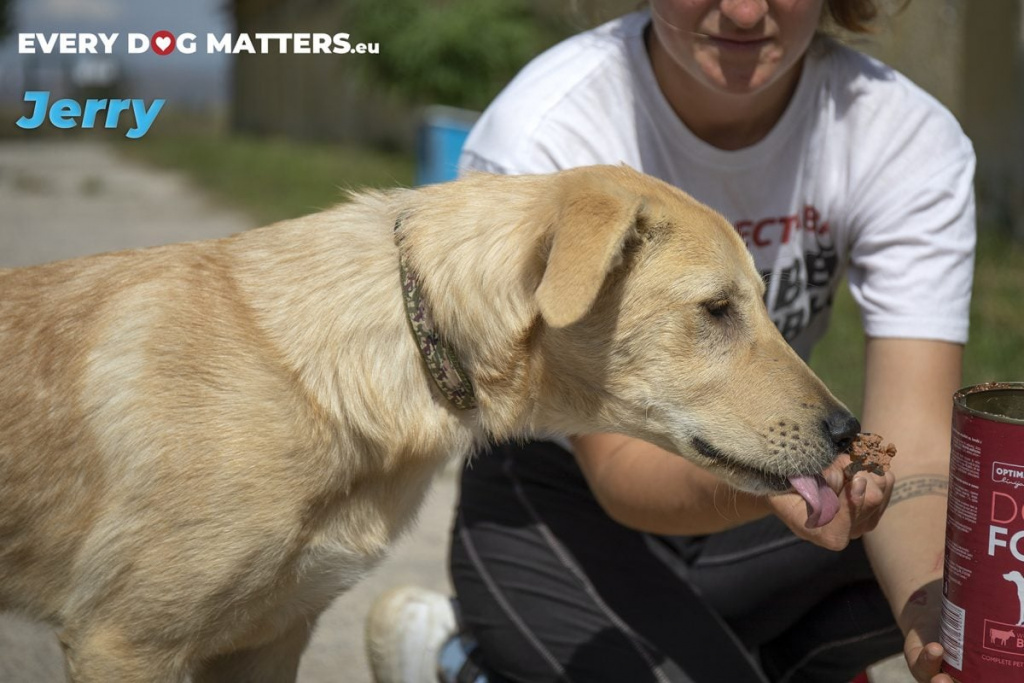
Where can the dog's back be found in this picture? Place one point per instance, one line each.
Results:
(151, 407)
(102, 385)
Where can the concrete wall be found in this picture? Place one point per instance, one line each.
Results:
(926, 42)
(993, 107)
(970, 55)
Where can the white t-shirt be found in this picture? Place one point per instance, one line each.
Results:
(863, 171)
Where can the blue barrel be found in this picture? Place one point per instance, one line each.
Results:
(439, 139)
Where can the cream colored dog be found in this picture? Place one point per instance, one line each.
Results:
(201, 445)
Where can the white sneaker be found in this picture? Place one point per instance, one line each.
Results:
(404, 631)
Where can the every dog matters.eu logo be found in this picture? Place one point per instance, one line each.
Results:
(65, 113)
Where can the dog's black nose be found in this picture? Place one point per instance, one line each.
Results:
(841, 428)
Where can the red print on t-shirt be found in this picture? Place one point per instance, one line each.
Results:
(799, 281)
(765, 232)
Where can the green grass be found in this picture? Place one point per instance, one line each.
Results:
(995, 350)
(276, 179)
(273, 179)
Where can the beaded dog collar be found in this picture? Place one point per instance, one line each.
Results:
(441, 359)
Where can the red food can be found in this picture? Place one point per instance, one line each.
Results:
(983, 579)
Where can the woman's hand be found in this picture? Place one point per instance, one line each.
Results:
(862, 500)
(648, 489)
(921, 620)
(924, 658)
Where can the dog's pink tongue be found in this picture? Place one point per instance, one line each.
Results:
(822, 502)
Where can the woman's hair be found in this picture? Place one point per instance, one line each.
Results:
(856, 15)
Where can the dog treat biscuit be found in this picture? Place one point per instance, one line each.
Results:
(866, 453)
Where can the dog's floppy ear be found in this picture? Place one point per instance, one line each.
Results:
(595, 217)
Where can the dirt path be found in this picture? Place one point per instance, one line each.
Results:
(60, 200)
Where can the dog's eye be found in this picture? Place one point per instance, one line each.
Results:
(717, 307)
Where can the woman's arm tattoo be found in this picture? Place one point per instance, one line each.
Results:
(919, 485)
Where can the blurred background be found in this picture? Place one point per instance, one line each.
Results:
(276, 136)
(244, 140)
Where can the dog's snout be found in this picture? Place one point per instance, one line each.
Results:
(841, 427)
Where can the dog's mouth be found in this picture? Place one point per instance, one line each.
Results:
(822, 502)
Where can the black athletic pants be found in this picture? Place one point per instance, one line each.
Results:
(555, 590)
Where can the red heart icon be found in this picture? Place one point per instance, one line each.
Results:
(162, 43)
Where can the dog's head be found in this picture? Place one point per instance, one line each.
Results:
(655, 327)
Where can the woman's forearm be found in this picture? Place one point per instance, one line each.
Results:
(908, 399)
(649, 489)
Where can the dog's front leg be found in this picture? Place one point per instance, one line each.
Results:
(275, 662)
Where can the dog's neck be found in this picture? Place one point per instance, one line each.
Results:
(479, 279)
(441, 359)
